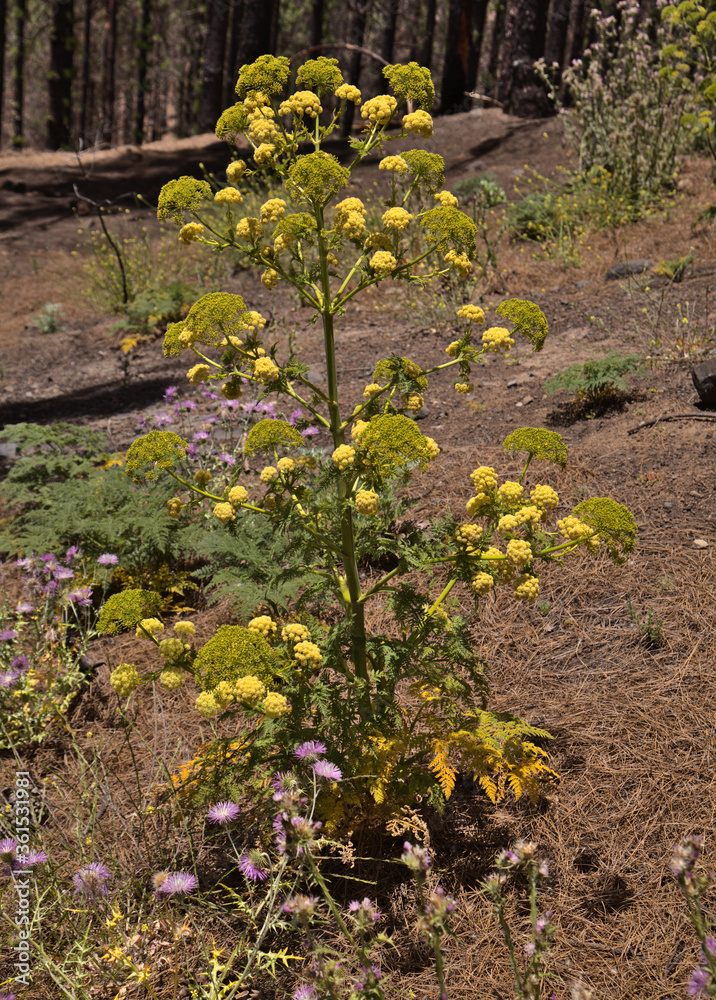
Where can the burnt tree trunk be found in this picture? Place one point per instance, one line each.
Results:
(86, 87)
(426, 52)
(255, 35)
(232, 69)
(387, 43)
(212, 76)
(555, 50)
(520, 91)
(3, 40)
(61, 74)
(18, 76)
(356, 35)
(144, 51)
(496, 42)
(109, 123)
(466, 22)
(317, 11)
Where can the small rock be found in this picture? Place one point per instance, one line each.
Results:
(667, 505)
(8, 450)
(626, 267)
(704, 379)
(422, 413)
(528, 399)
(519, 404)
(700, 543)
(581, 284)
(513, 382)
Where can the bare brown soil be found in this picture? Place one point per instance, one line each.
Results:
(633, 723)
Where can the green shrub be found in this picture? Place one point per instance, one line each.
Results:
(596, 383)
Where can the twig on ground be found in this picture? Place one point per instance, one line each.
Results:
(672, 416)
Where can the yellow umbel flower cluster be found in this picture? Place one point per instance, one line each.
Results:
(249, 689)
(508, 522)
(446, 198)
(350, 218)
(235, 171)
(268, 474)
(530, 513)
(544, 497)
(460, 262)
(343, 456)
(264, 152)
(413, 403)
(264, 625)
(303, 102)
(237, 495)
(464, 387)
(206, 704)
(367, 502)
(497, 339)
(184, 628)
(476, 504)
(347, 92)
(379, 110)
(270, 278)
(473, 314)
(171, 678)
(511, 492)
(275, 705)
(286, 465)
(198, 374)
(526, 588)
(190, 232)
(294, 632)
(370, 390)
(484, 478)
(452, 349)
(481, 583)
(249, 228)
(272, 210)
(419, 123)
(174, 507)
(397, 218)
(171, 649)
(468, 535)
(265, 369)
(151, 625)
(224, 512)
(574, 529)
(227, 196)
(307, 654)
(383, 263)
(124, 679)
(432, 447)
(519, 552)
(358, 427)
(396, 163)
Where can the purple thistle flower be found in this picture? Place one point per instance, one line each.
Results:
(20, 662)
(25, 563)
(310, 432)
(49, 589)
(251, 865)
(363, 911)
(303, 992)
(416, 858)
(699, 981)
(188, 404)
(51, 564)
(90, 880)
(281, 782)
(82, 597)
(7, 634)
(201, 436)
(324, 769)
(9, 678)
(8, 847)
(228, 459)
(208, 394)
(177, 884)
(108, 559)
(223, 812)
(294, 417)
(8, 996)
(542, 922)
(170, 393)
(48, 557)
(310, 751)
(26, 861)
(24, 608)
(63, 573)
(162, 419)
(191, 450)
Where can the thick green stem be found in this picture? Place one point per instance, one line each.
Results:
(350, 564)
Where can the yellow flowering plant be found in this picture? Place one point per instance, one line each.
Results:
(339, 681)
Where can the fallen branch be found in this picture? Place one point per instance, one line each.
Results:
(672, 416)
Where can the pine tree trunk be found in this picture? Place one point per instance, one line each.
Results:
(466, 21)
(109, 124)
(255, 37)
(555, 50)
(144, 50)
(3, 22)
(426, 53)
(356, 35)
(387, 43)
(232, 69)
(520, 91)
(85, 111)
(212, 77)
(61, 74)
(496, 44)
(317, 11)
(18, 76)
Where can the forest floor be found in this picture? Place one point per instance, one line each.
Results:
(633, 721)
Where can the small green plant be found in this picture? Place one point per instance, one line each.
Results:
(543, 607)
(49, 319)
(674, 270)
(597, 385)
(650, 629)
